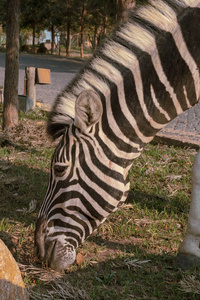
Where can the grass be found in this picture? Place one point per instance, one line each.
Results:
(131, 255)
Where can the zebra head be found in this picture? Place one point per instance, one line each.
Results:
(74, 205)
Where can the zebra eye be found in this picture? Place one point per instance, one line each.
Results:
(60, 170)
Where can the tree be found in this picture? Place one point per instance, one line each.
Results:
(3, 12)
(102, 17)
(10, 111)
(32, 16)
(82, 21)
(69, 20)
(122, 6)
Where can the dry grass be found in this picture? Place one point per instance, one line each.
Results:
(60, 290)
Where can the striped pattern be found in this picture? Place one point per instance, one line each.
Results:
(145, 75)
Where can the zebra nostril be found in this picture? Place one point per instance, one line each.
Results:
(39, 251)
(40, 232)
(49, 251)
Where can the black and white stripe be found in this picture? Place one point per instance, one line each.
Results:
(145, 75)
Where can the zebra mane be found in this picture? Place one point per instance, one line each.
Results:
(140, 29)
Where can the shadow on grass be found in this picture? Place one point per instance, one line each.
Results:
(171, 205)
(20, 185)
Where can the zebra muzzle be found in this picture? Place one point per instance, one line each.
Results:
(59, 256)
(54, 252)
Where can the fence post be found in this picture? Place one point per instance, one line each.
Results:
(30, 84)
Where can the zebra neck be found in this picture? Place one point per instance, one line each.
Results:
(146, 74)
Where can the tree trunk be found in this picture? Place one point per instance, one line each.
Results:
(52, 38)
(104, 27)
(95, 37)
(123, 6)
(104, 23)
(33, 46)
(10, 111)
(68, 38)
(82, 29)
(119, 10)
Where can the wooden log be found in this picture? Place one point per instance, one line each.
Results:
(30, 84)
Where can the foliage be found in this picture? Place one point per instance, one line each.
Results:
(99, 17)
(33, 17)
(96, 18)
(3, 12)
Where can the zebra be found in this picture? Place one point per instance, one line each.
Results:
(143, 76)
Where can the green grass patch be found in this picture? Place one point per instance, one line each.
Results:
(131, 255)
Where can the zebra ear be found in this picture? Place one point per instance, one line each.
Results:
(88, 109)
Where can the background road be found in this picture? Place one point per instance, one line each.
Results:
(185, 128)
(62, 71)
